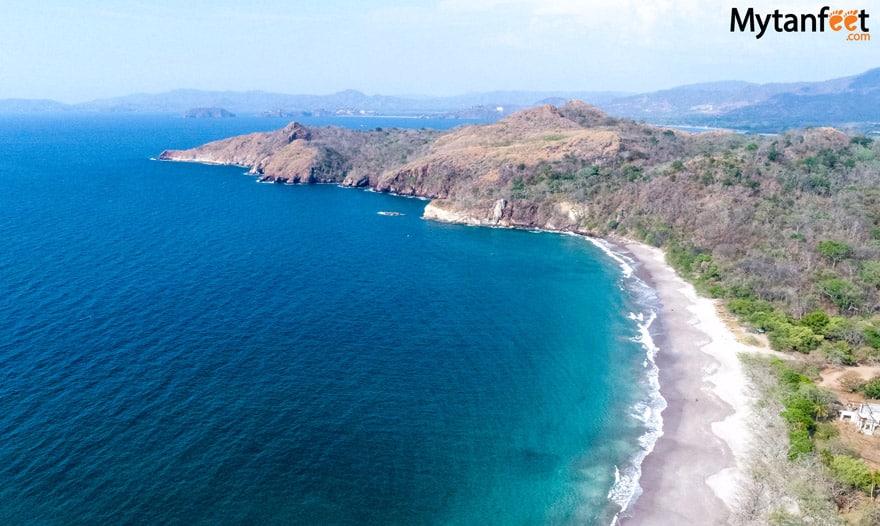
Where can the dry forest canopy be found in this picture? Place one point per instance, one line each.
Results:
(785, 228)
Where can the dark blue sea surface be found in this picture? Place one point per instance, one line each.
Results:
(181, 345)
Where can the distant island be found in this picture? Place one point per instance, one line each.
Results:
(851, 103)
(208, 113)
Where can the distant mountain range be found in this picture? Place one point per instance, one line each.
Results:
(349, 102)
(849, 102)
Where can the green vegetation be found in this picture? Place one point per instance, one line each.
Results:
(871, 388)
(804, 405)
(783, 229)
(790, 223)
(854, 472)
(835, 250)
(808, 476)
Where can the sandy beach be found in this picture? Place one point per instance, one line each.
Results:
(691, 476)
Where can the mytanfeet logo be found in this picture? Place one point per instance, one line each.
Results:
(852, 22)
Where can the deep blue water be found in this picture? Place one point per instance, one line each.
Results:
(181, 345)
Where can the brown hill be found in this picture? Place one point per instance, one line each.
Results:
(752, 210)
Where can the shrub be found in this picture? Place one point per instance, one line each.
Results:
(850, 382)
(799, 413)
(790, 378)
(787, 337)
(681, 257)
(870, 273)
(746, 306)
(843, 293)
(866, 354)
(872, 337)
(871, 388)
(717, 291)
(816, 320)
(799, 443)
(838, 353)
(768, 321)
(846, 329)
(707, 268)
(741, 292)
(826, 431)
(852, 471)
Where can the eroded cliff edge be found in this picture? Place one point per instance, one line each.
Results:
(753, 209)
(474, 174)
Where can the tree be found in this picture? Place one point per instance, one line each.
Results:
(811, 163)
(838, 353)
(843, 293)
(875, 480)
(870, 273)
(836, 251)
(793, 338)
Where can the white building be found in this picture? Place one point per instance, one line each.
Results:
(866, 417)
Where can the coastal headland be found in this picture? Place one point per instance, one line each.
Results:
(724, 199)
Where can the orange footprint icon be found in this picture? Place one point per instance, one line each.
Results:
(835, 19)
(850, 19)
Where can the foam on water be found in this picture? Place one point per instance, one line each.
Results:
(606, 247)
(626, 489)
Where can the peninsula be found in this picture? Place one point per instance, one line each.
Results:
(785, 229)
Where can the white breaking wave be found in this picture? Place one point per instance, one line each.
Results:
(626, 489)
(607, 248)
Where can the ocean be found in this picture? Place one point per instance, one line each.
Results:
(182, 345)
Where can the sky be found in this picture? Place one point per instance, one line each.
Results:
(79, 51)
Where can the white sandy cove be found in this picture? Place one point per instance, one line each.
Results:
(692, 475)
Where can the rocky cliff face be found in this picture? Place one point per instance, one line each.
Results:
(559, 217)
(283, 156)
(473, 173)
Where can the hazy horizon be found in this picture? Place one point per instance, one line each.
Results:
(440, 48)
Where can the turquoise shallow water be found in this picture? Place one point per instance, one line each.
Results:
(184, 346)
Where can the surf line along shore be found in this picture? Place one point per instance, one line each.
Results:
(691, 476)
(693, 473)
